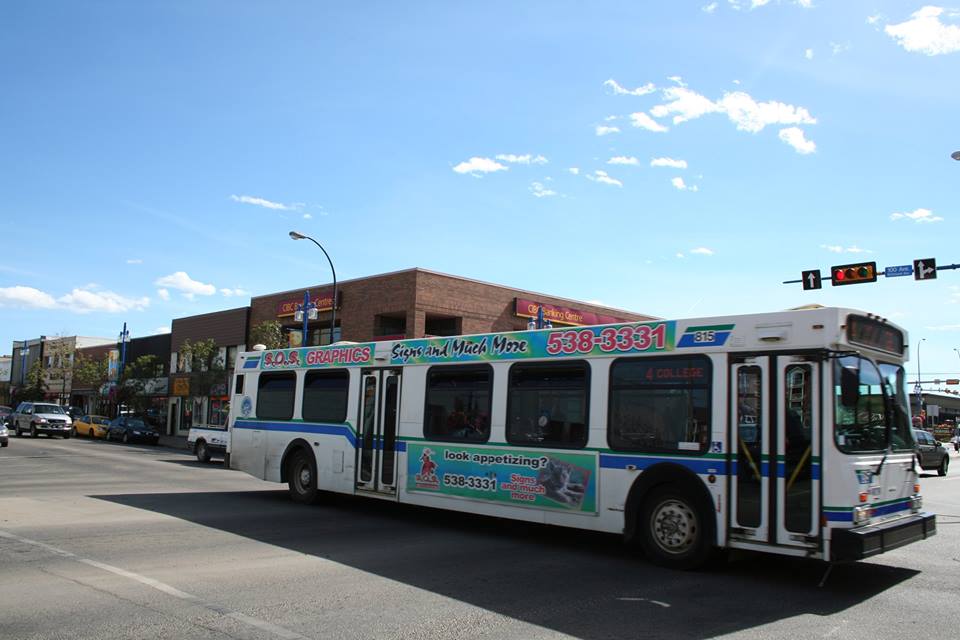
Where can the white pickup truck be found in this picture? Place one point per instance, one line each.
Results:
(207, 442)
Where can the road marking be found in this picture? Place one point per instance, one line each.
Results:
(262, 625)
(656, 602)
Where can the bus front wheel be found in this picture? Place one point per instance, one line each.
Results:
(674, 529)
(302, 477)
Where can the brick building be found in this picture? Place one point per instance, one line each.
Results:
(415, 303)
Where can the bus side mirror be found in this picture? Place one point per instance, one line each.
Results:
(849, 387)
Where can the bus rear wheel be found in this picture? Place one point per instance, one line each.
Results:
(674, 529)
(302, 477)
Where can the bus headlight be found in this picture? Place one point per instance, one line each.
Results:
(916, 503)
(862, 514)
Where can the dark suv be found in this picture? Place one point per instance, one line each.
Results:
(931, 454)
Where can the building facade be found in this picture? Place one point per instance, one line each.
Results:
(198, 382)
(416, 303)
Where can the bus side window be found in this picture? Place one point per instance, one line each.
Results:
(660, 404)
(458, 403)
(275, 392)
(238, 385)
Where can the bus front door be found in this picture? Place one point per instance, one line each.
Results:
(377, 434)
(774, 448)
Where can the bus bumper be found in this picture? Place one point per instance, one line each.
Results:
(863, 542)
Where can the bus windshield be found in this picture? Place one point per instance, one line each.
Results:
(862, 418)
(896, 378)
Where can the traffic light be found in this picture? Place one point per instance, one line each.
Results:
(853, 273)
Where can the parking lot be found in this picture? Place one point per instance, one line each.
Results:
(105, 540)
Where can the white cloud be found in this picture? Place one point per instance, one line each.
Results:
(668, 162)
(26, 298)
(740, 107)
(574, 170)
(643, 121)
(620, 91)
(604, 178)
(794, 137)
(677, 80)
(307, 216)
(874, 20)
(678, 183)
(750, 115)
(185, 284)
(524, 159)
(476, 165)
(925, 33)
(261, 202)
(540, 191)
(685, 103)
(680, 255)
(87, 301)
(702, 251)
(917, 215)
(630, 160)
(604, 130)
(134, 261)
(162, 330)
(836, 248)
(710, 8)
(839, 47)
(163, 294)
(808, 54)
(234, 292)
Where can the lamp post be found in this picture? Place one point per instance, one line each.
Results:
(296, 235)
(122, 339)
(306, 312)
(919, 388)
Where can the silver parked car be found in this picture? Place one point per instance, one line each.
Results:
(931, 454)
(41, 417)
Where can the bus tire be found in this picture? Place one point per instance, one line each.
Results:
(201, 451)
(302, 477)
(674, 529)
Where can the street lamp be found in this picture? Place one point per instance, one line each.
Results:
(306, 312)
(955, 155)
(122, 339)
(296, 235)
(919, 388)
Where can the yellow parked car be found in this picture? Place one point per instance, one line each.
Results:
(93, 426)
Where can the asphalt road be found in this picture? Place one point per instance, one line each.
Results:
(101, 540)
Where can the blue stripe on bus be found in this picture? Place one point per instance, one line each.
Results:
(838, 516)
(301, 427)
(323, 429)
(252, 364)
(782, 470)
(717, 467)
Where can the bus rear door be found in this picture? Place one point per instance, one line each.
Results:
(377, 434)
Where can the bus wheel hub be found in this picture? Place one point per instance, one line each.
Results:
(674, 526)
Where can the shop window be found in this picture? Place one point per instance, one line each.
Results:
(325, 396)
(218, 410)
(660, 404)
(275, 393)
(458, 403)
(390, 325)
(547, 404)
(442, 326)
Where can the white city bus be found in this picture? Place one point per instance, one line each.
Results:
(781, 432)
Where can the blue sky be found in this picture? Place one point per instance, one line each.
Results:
(672, 158)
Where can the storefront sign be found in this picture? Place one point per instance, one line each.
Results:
(562, 315)
(315, 357)
(323, 300)
(614, 340)
(565, 481)
(181, 387)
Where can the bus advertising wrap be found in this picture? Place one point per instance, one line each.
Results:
(588, 341)
(564, 481)
(312, 357)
